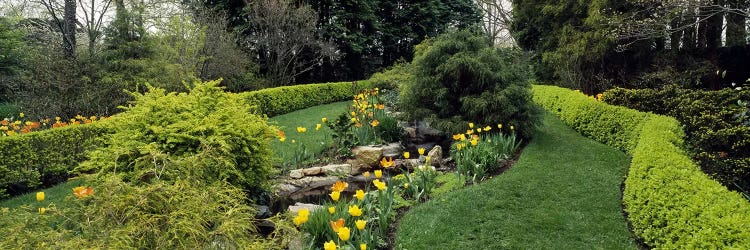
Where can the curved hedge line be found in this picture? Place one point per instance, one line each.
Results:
(670, 202)
(282, 100)
(47, 157)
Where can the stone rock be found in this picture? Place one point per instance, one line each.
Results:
(263, 212)
(411, 132)
(313, 171)
(392, 149)
(285, 189)
(338, 169)
(368, 155)
(312, 182)
(299, 206)
(436, 155)
(296, 174)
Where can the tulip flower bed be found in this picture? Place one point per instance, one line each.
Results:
(20, 125)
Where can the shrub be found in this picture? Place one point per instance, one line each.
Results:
(205, 135)
(670, 203)
(45, 157)
(719, 140)
(460, 79)
(397, 75)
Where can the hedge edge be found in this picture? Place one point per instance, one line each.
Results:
(670, 203)
(49, 155)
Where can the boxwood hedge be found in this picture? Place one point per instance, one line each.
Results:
(670, 203)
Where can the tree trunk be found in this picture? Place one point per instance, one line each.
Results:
(714, 25)
(675, 36)
(703, 25)
(69, 29)
(688, 39)
(736, 33)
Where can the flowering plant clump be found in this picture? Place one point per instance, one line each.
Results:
(351, 223)
(14, 126)
(477, 152)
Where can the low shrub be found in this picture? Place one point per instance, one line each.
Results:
(670, 203)
(205, 135)
(716, 135)
(459, 79)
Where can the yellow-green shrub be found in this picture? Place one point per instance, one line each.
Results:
(670, 203)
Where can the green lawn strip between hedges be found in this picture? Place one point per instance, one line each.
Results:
(54, 195)
(314, 141)
(564, 193)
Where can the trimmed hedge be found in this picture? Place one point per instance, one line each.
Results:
(282, 100)
(46, 157)
(670, 203)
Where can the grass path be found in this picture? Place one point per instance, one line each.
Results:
(564, 193)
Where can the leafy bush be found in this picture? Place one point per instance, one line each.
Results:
(719, 140)
(206, 133)
(397, 75)
(460, 79)
(670, 203)
(45, 157)
(123, 215)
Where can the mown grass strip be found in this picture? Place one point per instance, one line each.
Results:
(564, 193)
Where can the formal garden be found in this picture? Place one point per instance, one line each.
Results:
(175, 136)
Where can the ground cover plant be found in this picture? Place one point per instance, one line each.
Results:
(562, 193)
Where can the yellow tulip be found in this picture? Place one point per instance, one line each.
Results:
(304, 213)
(427, 160)
(335, 195)
(282, 139)
(487, 128)
(420, 151)
(21, 115)
(361, 224)
(474, 142)
(354, 113)
(406, 155)
(344, 233)
(379, 184)
(360, 194)
(324, 120)
(330, 245)
(366, 174)
(317, 126)
(406, 185)
(355, 211)
(471, 125)
(500, 126)
(301, 129)
(331, 210)
(479, 130)
(39, 196)
(363, 246)
(42, 210)
(511, 127)
(378, 173)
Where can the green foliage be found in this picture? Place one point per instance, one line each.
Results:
(460, 79)
(124, 215)
(205, 135)
(344, 138)
(11, 48)
(480, 157)
(669, 201)
(718, 139)
(282, 100)
(397, 75)
(45, 157)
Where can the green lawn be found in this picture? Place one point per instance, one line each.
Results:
(314, 141)
(53, 195)
(564, 193)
